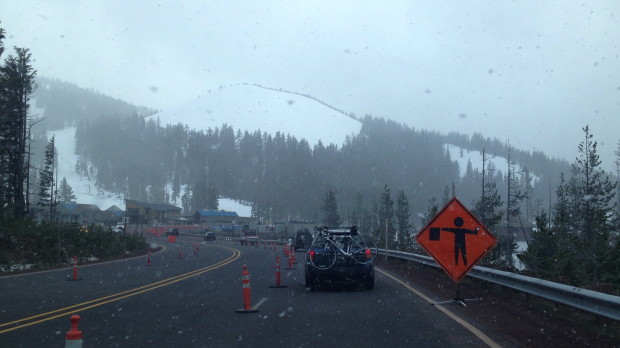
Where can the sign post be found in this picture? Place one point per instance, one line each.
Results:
(456, 240)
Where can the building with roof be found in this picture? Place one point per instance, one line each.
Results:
(79, 213)
(210, 217)
(151, 213)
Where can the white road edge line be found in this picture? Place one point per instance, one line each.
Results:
(486, 339)
(262, 300)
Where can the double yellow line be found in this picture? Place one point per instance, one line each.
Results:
(43, 317)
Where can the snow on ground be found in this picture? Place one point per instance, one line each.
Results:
(463, 156)
(85, 190)
(251, 108)
(233, 205)
(521, 248)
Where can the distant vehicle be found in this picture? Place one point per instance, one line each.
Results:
(210, 236)
(117, 229)
(302, 240)
(249, 238)
(172, 232)
(340, 254)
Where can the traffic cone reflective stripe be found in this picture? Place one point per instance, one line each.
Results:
(75, 270)
(278, 285)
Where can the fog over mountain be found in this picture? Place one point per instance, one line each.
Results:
(529, 72)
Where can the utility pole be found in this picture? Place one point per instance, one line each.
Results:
(508, 204)
(386, 239)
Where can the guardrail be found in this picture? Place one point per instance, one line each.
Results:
(597, 303)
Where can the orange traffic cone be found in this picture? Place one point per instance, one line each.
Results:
(148, 258)
(75, 270)
(73, 338)
(278, 285)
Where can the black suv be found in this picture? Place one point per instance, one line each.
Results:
(172, 232)
(320, 265)
(302, 240)
(209, 236)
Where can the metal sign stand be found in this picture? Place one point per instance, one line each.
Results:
(457, 299)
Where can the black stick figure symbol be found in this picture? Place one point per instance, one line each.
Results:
(459, 239)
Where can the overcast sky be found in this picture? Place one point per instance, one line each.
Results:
(532, 72)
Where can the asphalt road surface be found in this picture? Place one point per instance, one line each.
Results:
(190, 299)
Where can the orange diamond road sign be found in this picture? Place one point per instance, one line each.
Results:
(455, 239)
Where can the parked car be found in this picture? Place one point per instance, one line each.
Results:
(210, 236)
(117, 229)
(302, 240)
(172, 232)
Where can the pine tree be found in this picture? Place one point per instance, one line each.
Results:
(528, 191)
(212, 198)
(2, 37)
(595, 212)
(386, 219)
(564, 232)
(331, 218)
(46, 179)
(513, 209)
(617, 163)
(403, 215)
(358, 212)
(16, 85)
(487, 209)
(431, 211)
(200, 193)
(65, 192)
(186, 199)
(541, 254)
(176, 189)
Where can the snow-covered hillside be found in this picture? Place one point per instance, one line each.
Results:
(85, 190)
(463, 157)
(251, 108)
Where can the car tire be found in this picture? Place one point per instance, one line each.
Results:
(310, 283)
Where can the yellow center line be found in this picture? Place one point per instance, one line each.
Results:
(484, 338)
(118, 296)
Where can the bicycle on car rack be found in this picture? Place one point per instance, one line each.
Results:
(332, 244)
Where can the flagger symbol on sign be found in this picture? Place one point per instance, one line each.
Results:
(471, 239)
(459, 237)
